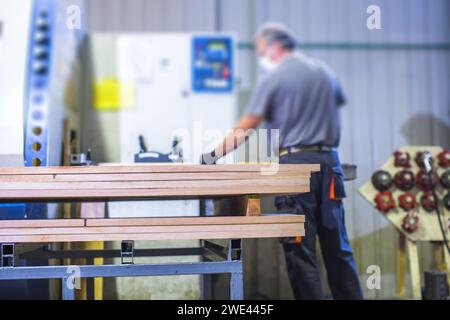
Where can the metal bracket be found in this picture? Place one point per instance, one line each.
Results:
(235, 249)
(7, 255)
(81, 159)
(127, 252)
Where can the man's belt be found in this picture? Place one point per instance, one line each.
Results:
(289, 150)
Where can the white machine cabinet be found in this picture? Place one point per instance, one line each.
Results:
(170, 84)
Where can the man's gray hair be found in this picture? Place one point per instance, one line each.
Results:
(273, 32)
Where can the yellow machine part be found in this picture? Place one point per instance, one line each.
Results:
(98, 282)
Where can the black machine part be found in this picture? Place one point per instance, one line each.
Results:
(436, 286)
(382, 180)
(142, 146)
(81, 159)
(145, 156)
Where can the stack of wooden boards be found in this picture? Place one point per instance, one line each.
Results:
(167, 181)
(73, 230)
(149, 181)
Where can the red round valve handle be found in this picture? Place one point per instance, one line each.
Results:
(444, 158)
(410, 222)
(407, 201)
(385, 201)
(402, 159)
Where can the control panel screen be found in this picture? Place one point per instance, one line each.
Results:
(212, 64)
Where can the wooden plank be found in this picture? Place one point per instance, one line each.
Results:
(267, 183)
(110, 194)
(273, 233)
(438, 256)
(253, 206)
(44, 223)
(157, 168)
(266, 219)
(48, 184)
(156, 221)
(176, 176)
(414, 270)
(149, 229)
(446, 261)
(401, 266)
(63, 230)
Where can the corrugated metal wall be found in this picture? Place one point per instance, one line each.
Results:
(397, 80)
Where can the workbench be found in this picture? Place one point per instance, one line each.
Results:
(220, 236)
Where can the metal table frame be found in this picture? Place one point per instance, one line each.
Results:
(216, 258)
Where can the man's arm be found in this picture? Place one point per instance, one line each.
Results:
(256, 112)
(233, 140)
(238, 135)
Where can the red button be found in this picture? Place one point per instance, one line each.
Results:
(226, 72)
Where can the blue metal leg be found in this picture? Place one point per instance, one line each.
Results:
(237, 278)
(237, 286)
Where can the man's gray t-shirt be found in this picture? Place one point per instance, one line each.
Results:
(301, 98)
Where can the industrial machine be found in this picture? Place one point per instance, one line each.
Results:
(39, 51)
(39, 59)
(159, 86)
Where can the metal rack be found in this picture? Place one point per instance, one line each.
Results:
(217, 257)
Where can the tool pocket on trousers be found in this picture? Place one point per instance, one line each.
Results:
(337, 188)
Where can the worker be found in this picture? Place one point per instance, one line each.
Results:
(301, 97)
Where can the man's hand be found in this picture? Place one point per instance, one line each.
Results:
(209, 158)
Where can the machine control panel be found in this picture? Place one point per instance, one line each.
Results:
(212, 64)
